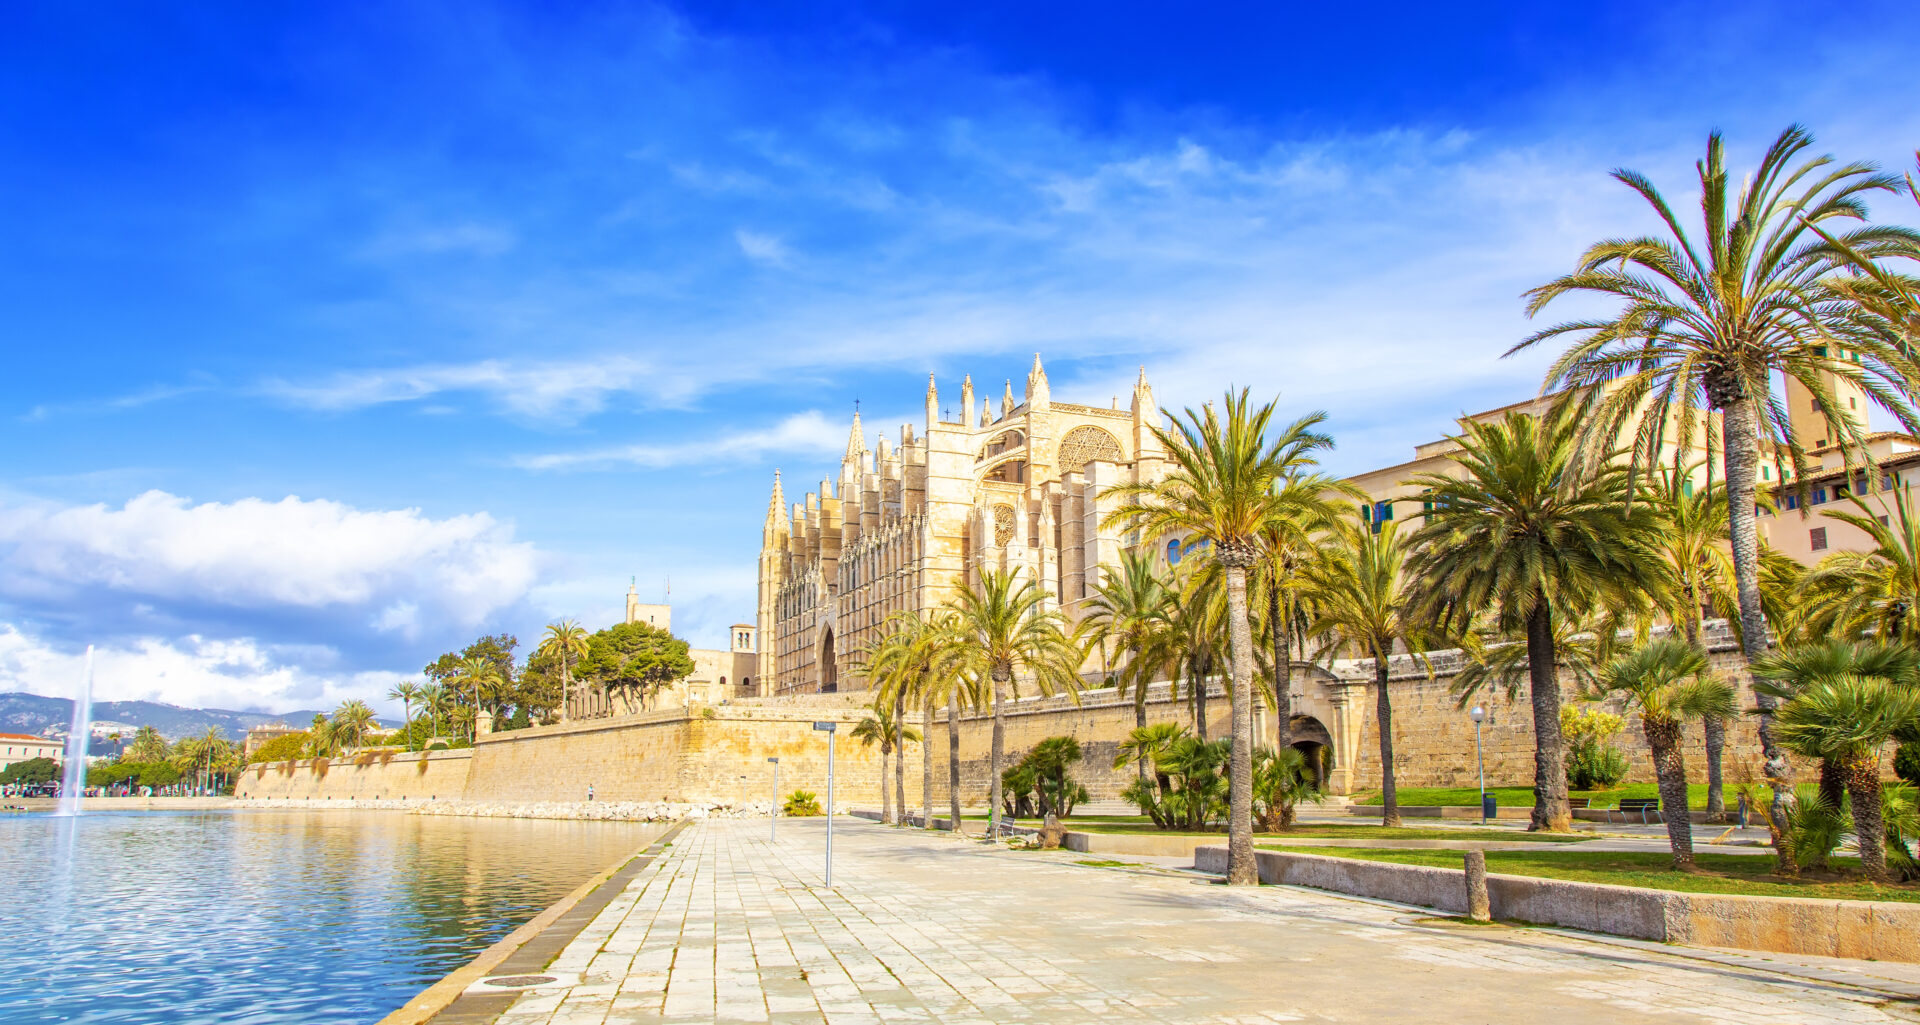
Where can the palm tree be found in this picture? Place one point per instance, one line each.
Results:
(912, 661)
(1666, 681)
(115, 737)
(406, 692)
(1130, 609)
(1785, 672)
(1847, 720)
(1196, 635)
(1222, 491)
(1490, 659)
(566, 641)
(1007, 631)
(351, 721)
(1362, 602)
(1692, 537)
(1714, 320)
(1305, 505)
(480, 674)
(1854, 593)
(434, 700)
(881, 726)
(1532, 533)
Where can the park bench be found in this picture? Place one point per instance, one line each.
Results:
(1579, 803)
(1643, 805)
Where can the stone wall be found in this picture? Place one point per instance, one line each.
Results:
(440, 775)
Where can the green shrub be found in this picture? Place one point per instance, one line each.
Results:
(283, 748)
(801, 804)
(31, 772)
(1592, 763)
(1906, 762)
(1039, 784)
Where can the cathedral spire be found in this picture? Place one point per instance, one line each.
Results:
(1039, 396)
(966, 400)
(1006, 401)
(776, 506)
(933, 403)
(856, 445)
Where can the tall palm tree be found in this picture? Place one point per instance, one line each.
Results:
(435, 701)
(913, 661)
(1854, 593)
(1306, 503)
(881, 726)
(1532, 533)
(1666, 681)
(1363, 603)
(1196, 635)
(482, 676)
(1693, 538)
(351, 721)
(1709, 322)
(1008, 632)
(1847, 720)
(1787, 671)
(566, 641)
(1221, 491)
(406, 692)
(1129, 610)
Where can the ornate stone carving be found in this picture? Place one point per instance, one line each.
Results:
(1082, 445)
(1002, 525)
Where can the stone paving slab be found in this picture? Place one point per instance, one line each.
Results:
(728, 927)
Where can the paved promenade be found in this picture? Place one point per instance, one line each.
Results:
(727, 927)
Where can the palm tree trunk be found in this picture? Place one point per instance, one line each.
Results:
(1282, 669)
(886, 802)
(1833, 783)
(1550, 810)
(900, 757)
(926, 766)
(1670, 769)
(1383, 711)
(1140, 714)
(1742, 454)
(953, 759)
(999, 751)
(1204, 667)
(1863, 784)
(566, 689)
(1713, 727)
(1241, 869)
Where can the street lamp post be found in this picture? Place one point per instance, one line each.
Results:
(829, 728)
(1479, 715)
(773, 818)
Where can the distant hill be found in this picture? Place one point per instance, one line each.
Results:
(31, 713)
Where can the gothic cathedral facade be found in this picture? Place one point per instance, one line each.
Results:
(906, 526)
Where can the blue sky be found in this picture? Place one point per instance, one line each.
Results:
(338, 335)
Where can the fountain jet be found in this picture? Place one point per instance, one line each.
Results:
(79, 737)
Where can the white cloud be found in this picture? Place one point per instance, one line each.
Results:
(807, 433)
(195, 671)
(555, 390)
(762, 248)
(252, 553)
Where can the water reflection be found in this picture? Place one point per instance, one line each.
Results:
(269, 917)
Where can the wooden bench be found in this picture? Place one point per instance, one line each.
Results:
(1579, 803)
(1643, 805)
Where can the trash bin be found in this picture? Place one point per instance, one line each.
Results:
(1489, 808)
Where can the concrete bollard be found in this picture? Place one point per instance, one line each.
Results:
(1478, 908)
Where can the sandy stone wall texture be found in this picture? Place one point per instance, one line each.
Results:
(440, 775)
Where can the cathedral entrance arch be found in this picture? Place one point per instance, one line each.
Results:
(829, 677)
(1315, 743)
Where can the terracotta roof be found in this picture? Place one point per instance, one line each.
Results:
(28, 736)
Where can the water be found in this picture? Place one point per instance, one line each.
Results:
(79, 736)
(269, 917)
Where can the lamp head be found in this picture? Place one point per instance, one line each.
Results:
(775, 761)
(1479, 714)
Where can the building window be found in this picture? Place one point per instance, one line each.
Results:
(1817, 539)
(1173, 552)
(1686, 488)
(1793, 501)
(1766, 473)
(1887, 481)
(1819, 496)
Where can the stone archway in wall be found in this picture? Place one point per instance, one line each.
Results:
(1314, 741)
(829, 667)
(1328, 713)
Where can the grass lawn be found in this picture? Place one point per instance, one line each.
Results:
(1311, 830)
(1719, 873)
(1522, 797)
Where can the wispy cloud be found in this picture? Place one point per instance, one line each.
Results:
(803, 434)
(762, 248)
(559, 390)
(119, 403)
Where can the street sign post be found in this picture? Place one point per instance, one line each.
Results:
(829, 729)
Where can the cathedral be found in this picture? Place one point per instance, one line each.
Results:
(907, 524)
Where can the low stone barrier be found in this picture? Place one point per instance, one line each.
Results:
(609, 811)
(1879, 930)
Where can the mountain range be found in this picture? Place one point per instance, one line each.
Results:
(31, 713)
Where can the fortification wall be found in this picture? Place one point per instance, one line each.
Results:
(422, 776)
